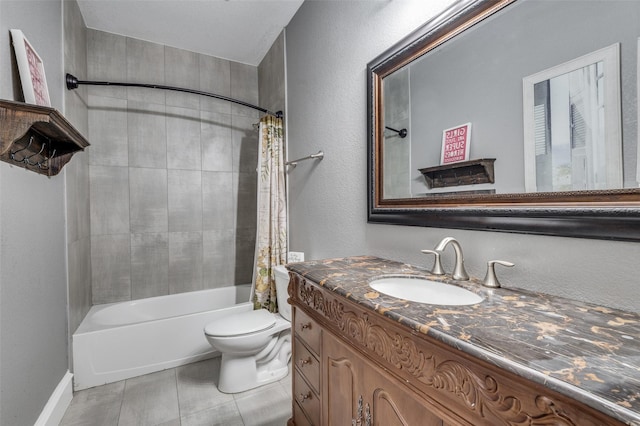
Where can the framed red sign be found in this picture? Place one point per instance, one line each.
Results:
(455, 144)
(31, 69)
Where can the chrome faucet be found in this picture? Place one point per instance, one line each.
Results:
(459, 273)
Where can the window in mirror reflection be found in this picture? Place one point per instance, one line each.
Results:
(572, 136)
(569, 131)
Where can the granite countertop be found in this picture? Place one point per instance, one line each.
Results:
(587, 352)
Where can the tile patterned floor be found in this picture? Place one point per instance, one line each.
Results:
(182, 396)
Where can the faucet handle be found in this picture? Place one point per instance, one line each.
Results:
(437, 264)
(491, 280)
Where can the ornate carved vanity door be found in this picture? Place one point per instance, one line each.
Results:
(357, 393)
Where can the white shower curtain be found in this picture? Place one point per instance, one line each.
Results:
(271, 237)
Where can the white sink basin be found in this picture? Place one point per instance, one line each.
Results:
(422, 290)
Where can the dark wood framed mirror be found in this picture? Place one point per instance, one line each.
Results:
(468, 65)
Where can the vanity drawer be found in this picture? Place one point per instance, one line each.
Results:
(307, 364)
(308, 330)
(307, 399)
(299, 417)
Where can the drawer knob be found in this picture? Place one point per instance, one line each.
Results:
(305, 326)
(303, 397)
(304, 362)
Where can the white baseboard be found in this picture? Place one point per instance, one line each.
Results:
(58, 403)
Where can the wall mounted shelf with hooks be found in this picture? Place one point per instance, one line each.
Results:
(37, 138)
(463, 173)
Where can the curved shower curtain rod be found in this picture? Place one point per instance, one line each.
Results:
(73, 83)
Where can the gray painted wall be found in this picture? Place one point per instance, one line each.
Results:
(33, 275)
(271, 77)
(173, 175)
(328, 47)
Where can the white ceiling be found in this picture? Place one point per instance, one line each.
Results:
(237, 30)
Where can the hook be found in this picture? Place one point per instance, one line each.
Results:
(46, 160)
(13, 154)
(26, 159)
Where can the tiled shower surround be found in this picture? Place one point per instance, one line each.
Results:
(172, 175)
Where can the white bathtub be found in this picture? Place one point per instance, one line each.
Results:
(117, 341)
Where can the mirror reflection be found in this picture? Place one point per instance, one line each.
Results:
(572, 125)
(550, 122)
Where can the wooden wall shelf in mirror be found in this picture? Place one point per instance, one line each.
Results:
(472, 64)
(37, 138)
(472, 172)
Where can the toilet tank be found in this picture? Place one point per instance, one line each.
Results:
(282, 282)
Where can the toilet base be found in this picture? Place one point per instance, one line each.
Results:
(241, 373)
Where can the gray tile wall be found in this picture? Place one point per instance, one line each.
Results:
(397, 150)
(76, 174)
(172, 175)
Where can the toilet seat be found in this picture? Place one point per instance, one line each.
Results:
(240, 324)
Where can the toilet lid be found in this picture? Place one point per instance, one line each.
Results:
(243, 323)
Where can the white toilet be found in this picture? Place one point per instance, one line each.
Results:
(255, 345)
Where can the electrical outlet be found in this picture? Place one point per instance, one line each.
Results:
(295, 256)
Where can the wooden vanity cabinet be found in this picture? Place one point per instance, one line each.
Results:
(354, 391)
(357, 367)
